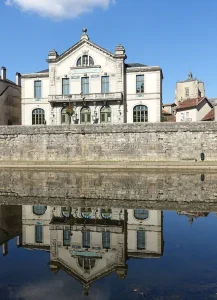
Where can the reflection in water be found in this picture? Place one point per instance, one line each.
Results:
(97, 225)
(90, 243)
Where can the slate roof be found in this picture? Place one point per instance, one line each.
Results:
(209, 116)
(43, 71)
(134, 65)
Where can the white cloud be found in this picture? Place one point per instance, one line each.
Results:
(59, 9)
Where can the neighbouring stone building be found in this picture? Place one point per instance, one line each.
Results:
(90, 243)
(190, 88)
(88, 84)
(10, 99)
(169, 112)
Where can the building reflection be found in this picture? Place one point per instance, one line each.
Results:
(192, 216)
(90, 243)
(10, 225)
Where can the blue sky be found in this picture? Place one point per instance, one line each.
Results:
(177, 35)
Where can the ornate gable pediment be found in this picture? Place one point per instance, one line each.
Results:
(85, 49)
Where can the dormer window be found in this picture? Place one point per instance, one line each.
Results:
(85, 61)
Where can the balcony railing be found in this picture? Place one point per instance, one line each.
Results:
(86, 97)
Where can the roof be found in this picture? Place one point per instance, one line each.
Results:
(134, 65)
(169, 104)
(43, 71)
(189, 103)
(210, 116)
(213, 101)
(164, 112)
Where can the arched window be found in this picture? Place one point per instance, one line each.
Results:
(38, 116)
(140, 113)
(65, 212)
(106, 213)
(39, 210)
(141, 214)
(85, 115)
(105, 114)
(86, 213)
(65, 117)
(86, 263)
(85, 61)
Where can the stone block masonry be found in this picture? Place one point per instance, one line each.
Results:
(157, 142)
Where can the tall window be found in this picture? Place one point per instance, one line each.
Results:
(105, 114)
(65, 118)
(141, 214)
(139, 84)
(37, 89)
(106, 240)
(141, 239)
(105, 84)
(85, 115)
(85, 85)
(140, 113)
(66, 237)
(39, 210)
(86, 239)
(39, 233)
(65, 88)
(38, 116)
(186, 92)
(85, 61)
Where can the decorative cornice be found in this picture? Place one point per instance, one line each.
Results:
(35, 75)
(143, 69)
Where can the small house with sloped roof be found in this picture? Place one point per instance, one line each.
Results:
(193, 110)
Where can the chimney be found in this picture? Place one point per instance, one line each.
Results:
(3, 73)
(18, 79)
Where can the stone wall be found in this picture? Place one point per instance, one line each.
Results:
(134, 189)
(125, 142)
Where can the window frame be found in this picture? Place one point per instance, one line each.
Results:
(66, 237)
(140, 239)
(106, 240)
(85, 115)
(105, 85)
(67, 86)
(85, 85)
(38, 234)
(38, 118)
(105, 115)
(140, 89)
(187, 92)
(140, 115)
(37, 89)
(85, 61)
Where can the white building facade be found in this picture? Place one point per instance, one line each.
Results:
(88, 85)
